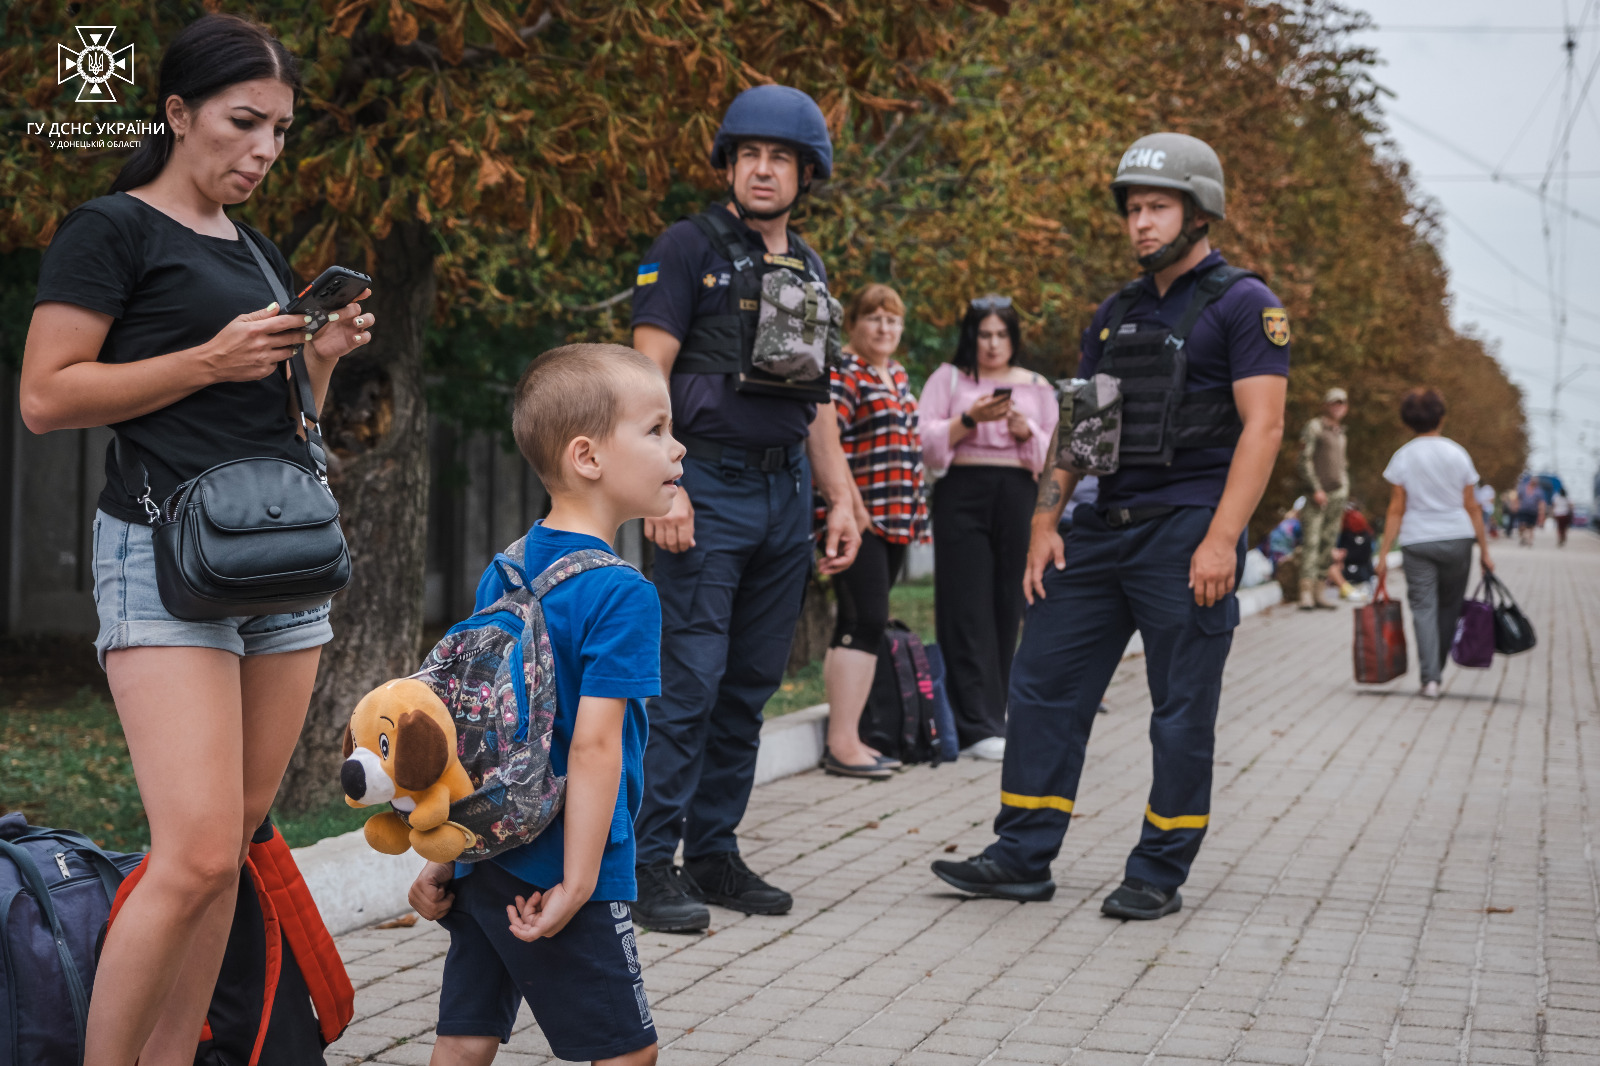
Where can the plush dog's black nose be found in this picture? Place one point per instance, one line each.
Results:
(353, 777)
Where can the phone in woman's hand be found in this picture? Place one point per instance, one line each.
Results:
(333, 289)
(1004, 390)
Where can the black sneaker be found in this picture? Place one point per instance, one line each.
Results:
(982, 876)
(1140, 902)
(665, 903)
(726, 881)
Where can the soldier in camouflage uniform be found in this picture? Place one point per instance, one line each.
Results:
(1326, 472)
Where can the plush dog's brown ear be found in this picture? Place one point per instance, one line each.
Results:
(349, 742)
(423, 753)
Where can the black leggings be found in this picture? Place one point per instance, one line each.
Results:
(981, 522)
(863, 592)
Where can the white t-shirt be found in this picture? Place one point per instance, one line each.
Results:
(1433, 471)
(1560, 506)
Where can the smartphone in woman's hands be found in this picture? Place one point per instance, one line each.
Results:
(333, 289)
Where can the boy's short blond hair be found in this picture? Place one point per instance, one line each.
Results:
(570, 392)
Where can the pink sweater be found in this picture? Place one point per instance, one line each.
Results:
(949, 392)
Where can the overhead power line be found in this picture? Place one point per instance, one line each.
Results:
(1455, 221)
(1510, 182)
(1496, 177)
(1418, 27)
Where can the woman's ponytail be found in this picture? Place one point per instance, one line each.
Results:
(208, 55)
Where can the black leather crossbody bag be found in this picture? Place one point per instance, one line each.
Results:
(249, 536)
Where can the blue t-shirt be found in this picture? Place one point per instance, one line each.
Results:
(683, 278)
(1229, 342)
(605, 632)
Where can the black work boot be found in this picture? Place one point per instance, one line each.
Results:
(726, 881)
(665, 903)
(982, 876)
(1138, 901)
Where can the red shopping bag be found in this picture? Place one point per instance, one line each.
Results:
(1380, 639)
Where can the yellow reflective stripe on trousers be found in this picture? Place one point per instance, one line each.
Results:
(1033, 803)
(1182, 821)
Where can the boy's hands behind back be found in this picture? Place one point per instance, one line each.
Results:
(544, 913)
(430, 895)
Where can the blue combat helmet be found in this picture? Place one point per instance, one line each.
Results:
(775, 113)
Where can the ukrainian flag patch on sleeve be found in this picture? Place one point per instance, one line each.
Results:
(648, 272)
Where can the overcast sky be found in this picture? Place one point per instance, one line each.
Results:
(1495, 97)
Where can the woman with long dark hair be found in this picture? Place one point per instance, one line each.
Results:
(154, 316)
(986, 424)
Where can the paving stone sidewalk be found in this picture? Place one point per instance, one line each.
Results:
(1387, 880)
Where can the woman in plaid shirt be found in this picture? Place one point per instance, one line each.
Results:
(878, 428)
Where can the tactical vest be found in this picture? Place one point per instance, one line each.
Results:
(723, 344)
(1158, 415)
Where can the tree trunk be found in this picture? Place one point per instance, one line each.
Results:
(815, 628)
(376, 422)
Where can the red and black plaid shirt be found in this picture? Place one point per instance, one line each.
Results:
(878, 428)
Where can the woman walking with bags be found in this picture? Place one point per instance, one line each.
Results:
(155, 315)
(986, 424)
(1434, 517)
(878, 429)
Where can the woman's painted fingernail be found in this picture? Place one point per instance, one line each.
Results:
(308, 336)
(273, 306)
(331, 318)
(308, 320)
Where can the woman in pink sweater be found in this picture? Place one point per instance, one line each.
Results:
(986, 424)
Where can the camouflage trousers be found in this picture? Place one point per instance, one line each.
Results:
(1319, 533)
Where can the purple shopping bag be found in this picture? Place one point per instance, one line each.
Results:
(1474, 641)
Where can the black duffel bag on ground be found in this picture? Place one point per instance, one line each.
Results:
(1513, 632)
(250, 536)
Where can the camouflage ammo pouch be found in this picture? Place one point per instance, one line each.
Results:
(1091, 425)
(797, 335)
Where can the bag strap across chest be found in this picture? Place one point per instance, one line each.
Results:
(137, 478)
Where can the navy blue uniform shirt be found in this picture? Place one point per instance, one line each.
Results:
(683, 278)
(1228, 342)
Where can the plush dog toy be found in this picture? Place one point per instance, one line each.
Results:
(400, 749)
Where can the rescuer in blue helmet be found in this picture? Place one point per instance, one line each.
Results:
(1196, 352)
(733, 554)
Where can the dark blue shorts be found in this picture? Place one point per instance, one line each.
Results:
(583, 985)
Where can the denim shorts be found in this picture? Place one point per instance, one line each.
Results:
(131, 614)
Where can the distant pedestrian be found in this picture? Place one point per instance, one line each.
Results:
(1434, 517)
(878, 429)
(1561, 511)
(1326, 472)
(986, 423)
(1529, 509)
(1487, 498)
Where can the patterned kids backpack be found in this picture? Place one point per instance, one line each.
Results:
(496, 674)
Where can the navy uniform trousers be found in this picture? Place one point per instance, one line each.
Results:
(729, 607)
(1115, 581)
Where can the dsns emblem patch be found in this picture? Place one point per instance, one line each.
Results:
(1275, 324)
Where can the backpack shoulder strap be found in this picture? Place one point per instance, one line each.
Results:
(1208, 290)
(332, 995)
(571, 565)
(77, 991)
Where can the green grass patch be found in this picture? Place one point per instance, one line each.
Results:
(64, 762)
(911, 602)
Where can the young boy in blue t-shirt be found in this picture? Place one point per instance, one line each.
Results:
(549, 922)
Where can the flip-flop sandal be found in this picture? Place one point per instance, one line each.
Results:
(869, 771)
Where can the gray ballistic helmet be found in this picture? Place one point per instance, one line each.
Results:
(1172, 161)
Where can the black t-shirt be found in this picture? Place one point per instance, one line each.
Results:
(169, 288)
(683, 278)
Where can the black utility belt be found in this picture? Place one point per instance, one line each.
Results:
(766, 460)
(1123, 517)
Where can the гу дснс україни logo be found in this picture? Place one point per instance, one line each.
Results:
(96, 64)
